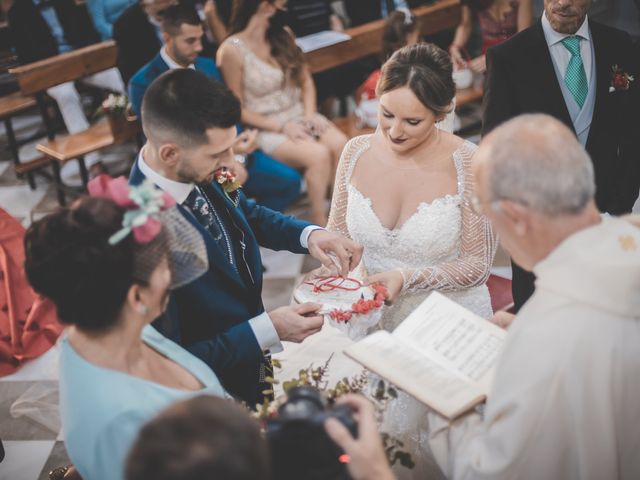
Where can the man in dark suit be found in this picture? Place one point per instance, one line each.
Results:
(271, 183)
(189, 121)
(564, 66)
(137, 35)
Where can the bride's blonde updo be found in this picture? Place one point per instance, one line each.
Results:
(426, 70)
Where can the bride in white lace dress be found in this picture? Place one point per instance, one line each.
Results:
(403, 193)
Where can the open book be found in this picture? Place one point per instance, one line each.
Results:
(442, 354)
(319, 40)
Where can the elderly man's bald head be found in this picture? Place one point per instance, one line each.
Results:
(537, 161)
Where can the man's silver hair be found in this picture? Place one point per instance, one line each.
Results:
(536, 160)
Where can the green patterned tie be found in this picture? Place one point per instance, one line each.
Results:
(575, 77)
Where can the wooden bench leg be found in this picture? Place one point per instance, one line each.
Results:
(42, 105)
(13, 147)
(58, 181)
(84, 173)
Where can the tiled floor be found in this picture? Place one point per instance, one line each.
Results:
(31, 438)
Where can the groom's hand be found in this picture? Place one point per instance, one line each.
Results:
(294, 323)
(321, 243)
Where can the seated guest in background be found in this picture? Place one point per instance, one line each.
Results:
(182, 31)
(365, 11)
(30, 326)
(216, 14)
(189, 121)
(42, 29)
(105, 12)
(499, 20)
(203, 438)
(137, 35)
(564, 402)
(108, 282)
(306, 17)
(270, 182)
(400, 29)
(563, 66)
(263, 66)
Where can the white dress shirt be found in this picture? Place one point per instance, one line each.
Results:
(170, 62)
(261, 325)
(560, 55)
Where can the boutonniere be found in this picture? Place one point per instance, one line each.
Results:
(230, 185)
(620, 79)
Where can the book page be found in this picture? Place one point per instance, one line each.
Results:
(319, 40)
(406, 367)
(454, 337)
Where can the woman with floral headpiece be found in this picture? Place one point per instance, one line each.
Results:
(107, 263)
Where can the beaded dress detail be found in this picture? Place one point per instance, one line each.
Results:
(266, 92)
(445, 246)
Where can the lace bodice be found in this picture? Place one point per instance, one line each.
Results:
(443, 246)
(264, 88)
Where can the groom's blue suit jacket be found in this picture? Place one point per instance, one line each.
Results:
(210, 315)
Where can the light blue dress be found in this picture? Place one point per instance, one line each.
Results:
(105, 12)
(102, 410)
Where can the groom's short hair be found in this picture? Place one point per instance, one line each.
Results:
(182, 104)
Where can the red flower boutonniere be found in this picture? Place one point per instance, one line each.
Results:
(227, 180)
(620, 79)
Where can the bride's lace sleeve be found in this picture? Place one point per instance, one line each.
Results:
(338, 214)
(476, 248)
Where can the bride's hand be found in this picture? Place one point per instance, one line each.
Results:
(393, 282)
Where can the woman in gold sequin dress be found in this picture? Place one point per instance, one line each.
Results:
(263, 66)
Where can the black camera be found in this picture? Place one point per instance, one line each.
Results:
(300, 447)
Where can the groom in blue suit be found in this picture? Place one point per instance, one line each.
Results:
(189, 121)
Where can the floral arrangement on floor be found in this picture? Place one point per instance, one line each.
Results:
(317, 378)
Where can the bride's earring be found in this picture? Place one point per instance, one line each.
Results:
(142, 309)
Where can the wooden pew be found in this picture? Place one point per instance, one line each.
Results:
(367, 39)
(36, 78)
(11, 105)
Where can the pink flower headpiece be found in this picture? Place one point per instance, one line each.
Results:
(143, 204)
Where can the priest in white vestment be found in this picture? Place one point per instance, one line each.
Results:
(566, 397)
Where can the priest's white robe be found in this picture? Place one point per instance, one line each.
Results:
(565, 402)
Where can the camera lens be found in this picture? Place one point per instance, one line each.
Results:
(302, 402)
